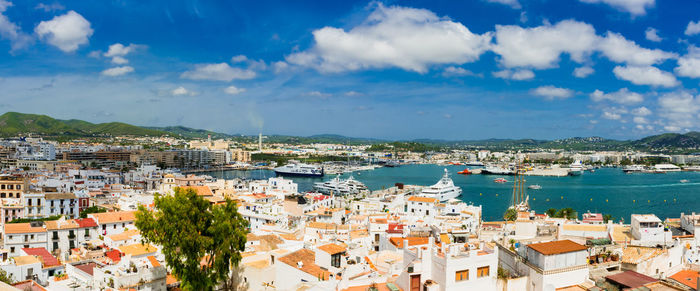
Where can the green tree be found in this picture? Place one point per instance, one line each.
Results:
(511, 214)
(5, 277)
(552, 212)
(607, 217)
(91, 209)
(201, 242)
(568, 212)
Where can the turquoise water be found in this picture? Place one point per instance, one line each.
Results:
(660, 194)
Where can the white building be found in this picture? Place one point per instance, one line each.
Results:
(556, 264)
(647, 230)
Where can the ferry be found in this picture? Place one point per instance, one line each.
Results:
(299, 169)
(474, 164)
(500, 180)
(633, 169)
(337, 186)
(493, 170)
(443, 190)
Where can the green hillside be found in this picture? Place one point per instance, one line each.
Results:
(14, 123)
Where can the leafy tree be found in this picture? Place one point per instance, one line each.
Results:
(511, 214)
(91, 209)
(5, 277)
(568, 212)
(201, 242)
(552, 212)
(607, 217)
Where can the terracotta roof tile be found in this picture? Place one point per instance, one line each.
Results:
(332, 248)
(308, 260)
(422, 199)
(412, 241)
(687, 277)
(557, 247)
(46, 258)
(114, 217)
(22, 228)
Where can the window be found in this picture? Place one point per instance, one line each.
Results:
(482, 272)
(335, 260)
(12, 249)
(10, 187)
(2, 186)
(19, 187)
(30, 201)
(55, 245)
(462, 275)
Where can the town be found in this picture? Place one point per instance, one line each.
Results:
(69, 221)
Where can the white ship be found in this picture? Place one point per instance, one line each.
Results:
(299, 169)
(633, 168)
(496, 170)
(576, 168)
(443, 190)
(340, 187)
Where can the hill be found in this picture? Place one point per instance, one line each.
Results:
(14, 123)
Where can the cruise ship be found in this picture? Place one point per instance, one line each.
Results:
(633, 169)
(299, 169)
(576, 168)
(444, 190)
(336, 186)
(496, 170)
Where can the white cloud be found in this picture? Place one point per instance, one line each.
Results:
(218, 72)
(515, 4)
(182, 91)
(407, 38)
(66, 32)
(50, 7)
(693, 28)
(279, 66)
(540, 47)
(119, 50)
(518, 75)
(452, 71)
(640, 120)
(652, 34)
(550, 92)
(689, 64)
(611, 115)
(117, 71)
(239, 59)
(353, 93)
(11, 31)
(618, 49)
(582, 72)
(680, 110)
(119, 60)
(634, 7)
(622, 96)
(641, 111)
(233, 90)
(318, 94)
(645, 76)
(447, 116)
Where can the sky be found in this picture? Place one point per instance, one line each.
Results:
(454, 70)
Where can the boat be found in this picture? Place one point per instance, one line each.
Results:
(500, 180)
(474, 164)
(457, 163)
(464, 172)
(336, 186)
(692, 168)
(443, 190)
(493, 170)
(633, 169)
(576, 168)
(685, 181)
(534, 187)
(666, 168)
(391, 164)
(299, 169)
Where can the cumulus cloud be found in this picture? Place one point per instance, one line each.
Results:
(66, 32)
(182, 91)
(693, 28)
(582, 72)
(652, 34)
(551, 93)
(233, 90)
(680, 110)
(515, 4)
(541, 47)
(119, 60)
(353, 93)
(120, 50)
(518, 75)
(11, 31)
(117, 71)
(633, 7)
(452, 71)
(218, 72)
(645, 76)
(279, 66)
(618, 49)
(689, 64)
(641, 111)
(407, 38)
(318, 94)
(622, 96)
(611, 115)
(640, 120)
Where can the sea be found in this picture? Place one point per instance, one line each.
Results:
(607, 190)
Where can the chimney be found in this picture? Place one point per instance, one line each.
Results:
(300, 264)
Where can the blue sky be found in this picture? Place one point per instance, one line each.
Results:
(395, 69)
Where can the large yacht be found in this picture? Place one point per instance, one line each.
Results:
(340, 187)
(444, 190)
(299, 169)
(633, 169)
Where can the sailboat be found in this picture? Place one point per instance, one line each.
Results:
(520, 199)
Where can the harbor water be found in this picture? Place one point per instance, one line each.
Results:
(607, 190)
